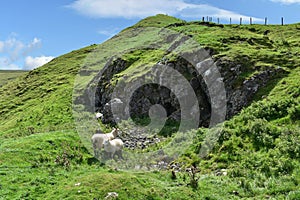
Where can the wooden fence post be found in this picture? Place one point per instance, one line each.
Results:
(266, 21)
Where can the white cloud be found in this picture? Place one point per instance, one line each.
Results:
(108, 32)
(287, 1)
(34, 62)
(124, 8)
(14, 48)
(145, 8)
(5, 64)
(36, 43)
(11, 66)
(1, 46)
(13, 51)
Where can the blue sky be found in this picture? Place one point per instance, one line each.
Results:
(33, 31)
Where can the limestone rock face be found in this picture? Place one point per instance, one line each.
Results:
(240, 90)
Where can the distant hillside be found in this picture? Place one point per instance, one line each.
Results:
(257, 155)
(8, 75)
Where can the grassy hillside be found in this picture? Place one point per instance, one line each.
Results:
(8, 75)
(40, 100)
(42, 157)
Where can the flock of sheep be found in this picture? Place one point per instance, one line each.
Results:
(112, 145)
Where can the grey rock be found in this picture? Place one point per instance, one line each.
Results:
(239, 93)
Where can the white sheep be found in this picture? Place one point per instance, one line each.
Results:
(99, 115)
(114, 146)
(99, 138)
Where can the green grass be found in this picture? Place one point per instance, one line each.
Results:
(159, 20)
(35, 175)
(41, 99)
(9, 75)
(42, 156)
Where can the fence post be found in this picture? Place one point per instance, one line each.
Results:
(266, 21)
(241, 21)
(282, 21)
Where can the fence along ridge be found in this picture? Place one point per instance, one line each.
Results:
(211, 19)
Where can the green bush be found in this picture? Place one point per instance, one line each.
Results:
(294, 112)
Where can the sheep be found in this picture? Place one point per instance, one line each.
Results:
(99, 115)
(114, 146)
(99, 138)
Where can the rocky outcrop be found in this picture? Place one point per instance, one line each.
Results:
(136, 138)
(239, 91)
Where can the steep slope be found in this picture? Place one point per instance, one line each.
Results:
(258, 148)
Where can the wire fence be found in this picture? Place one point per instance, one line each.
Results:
(241, 20)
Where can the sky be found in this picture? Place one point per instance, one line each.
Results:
(33, 32)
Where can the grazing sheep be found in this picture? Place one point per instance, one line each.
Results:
(114, 146)
(99, 115)
(99, 138)
(112, 195)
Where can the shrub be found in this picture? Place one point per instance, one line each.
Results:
(294, 112)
